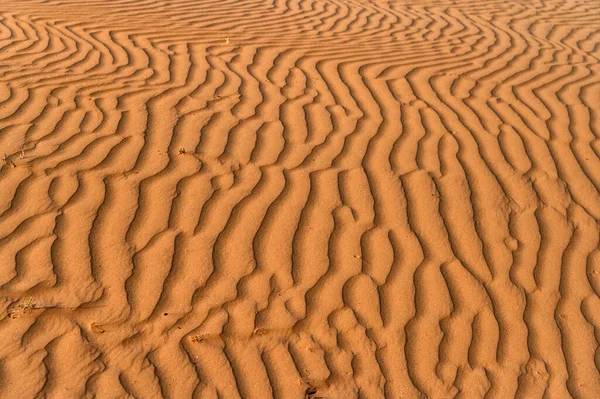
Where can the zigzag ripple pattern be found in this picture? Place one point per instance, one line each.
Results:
(350, 198)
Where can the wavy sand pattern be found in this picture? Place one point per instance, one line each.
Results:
(299, 198)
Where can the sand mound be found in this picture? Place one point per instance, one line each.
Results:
(291, 199)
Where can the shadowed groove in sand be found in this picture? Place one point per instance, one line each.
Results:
(297, 198)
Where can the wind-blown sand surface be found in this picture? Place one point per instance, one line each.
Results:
(299, 198)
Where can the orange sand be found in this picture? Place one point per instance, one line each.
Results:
(299, 198)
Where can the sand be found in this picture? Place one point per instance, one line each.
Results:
(299, 198)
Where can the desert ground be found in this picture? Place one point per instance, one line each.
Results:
(299, 199)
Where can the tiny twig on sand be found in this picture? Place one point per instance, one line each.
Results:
(17, 311)
(8, 161)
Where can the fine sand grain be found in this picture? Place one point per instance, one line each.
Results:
(299, 198)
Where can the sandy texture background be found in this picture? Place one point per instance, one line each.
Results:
(299, 198)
